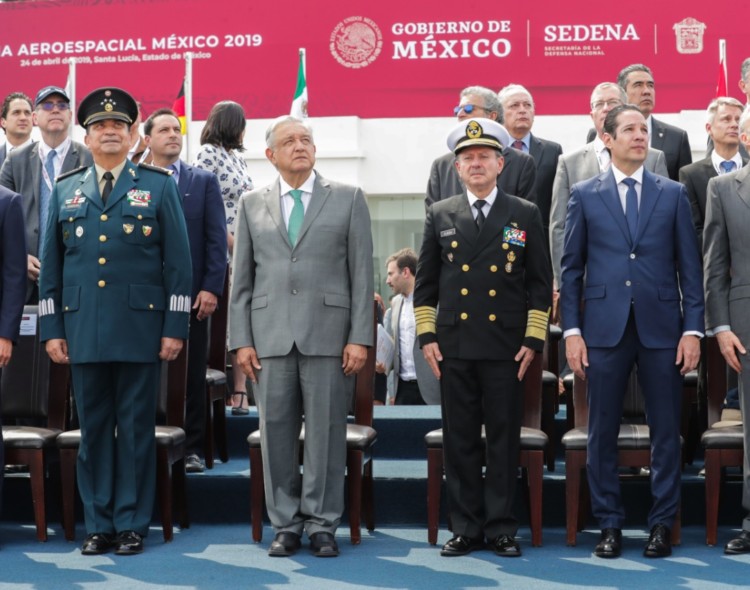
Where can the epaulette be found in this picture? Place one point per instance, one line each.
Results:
(155, 168)
(71, 173)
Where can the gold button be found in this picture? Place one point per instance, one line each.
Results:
(102, 283)
(493, 268)
(103, 217)
(70, 219)
(102, 238)
(140, 216)
(454, 244)
(102, 261)
(493, 292)
(493, 317)
(464, 316)
(465, 268)
(151, 306)
(464, 291)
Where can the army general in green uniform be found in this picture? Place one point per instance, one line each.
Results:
(114, 300)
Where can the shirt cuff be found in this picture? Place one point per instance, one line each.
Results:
(717, 329)
(572, 332)
(693, 333)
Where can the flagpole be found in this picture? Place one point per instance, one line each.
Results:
(71, 90)
(188, 101)
(722, 88)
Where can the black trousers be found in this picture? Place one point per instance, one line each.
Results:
(407, 393)
(476, 392)
(195, 409)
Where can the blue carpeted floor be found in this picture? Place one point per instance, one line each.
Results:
(223, 557)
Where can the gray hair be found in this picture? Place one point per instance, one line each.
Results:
(721, 101)
(511, 89)
(283, 120)
(622, 77)
(745, 70)
(606, 86)
(743, 121)
(489, 98)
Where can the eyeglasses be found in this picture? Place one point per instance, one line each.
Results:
(51, 106)
(467, 108)
(600, 104)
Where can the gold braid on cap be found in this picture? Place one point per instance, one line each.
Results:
(426, 319)
(536, 324)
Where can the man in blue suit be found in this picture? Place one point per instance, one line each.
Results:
(631, 256)
(12, 281)
(207, 234)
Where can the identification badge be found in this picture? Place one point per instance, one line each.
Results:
(448, 232)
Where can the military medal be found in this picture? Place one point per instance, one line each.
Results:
(139, 198)
(513, 235)
(79, 231)
(146, 230)
(508, 267)
(450, 256)
(128, 228)
(511, 256)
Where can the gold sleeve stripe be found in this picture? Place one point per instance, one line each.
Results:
(536, 324)
(426, 320)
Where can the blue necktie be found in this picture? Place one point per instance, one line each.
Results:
(44, 195)
(631, 207)
(295, 219)
(726, 166)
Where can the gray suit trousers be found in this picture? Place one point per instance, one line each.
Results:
(288, 388)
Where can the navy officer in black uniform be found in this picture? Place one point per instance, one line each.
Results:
(114, 300)
(484, 261)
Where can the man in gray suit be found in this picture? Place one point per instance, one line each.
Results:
(519, 172)
(17, 123)
(31, 171)
(587, 162)
(301, 308)
(413, 381)
(726, 263)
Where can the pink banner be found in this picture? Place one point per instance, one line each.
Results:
(367, 59)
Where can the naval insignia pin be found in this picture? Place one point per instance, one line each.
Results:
(128, 228)
(79, 231)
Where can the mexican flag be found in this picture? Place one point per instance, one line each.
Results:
(299, 104)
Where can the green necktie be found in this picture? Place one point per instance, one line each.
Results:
(298, 214)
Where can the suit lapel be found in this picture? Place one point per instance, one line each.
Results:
(90, 189)
(71, 159)
(186, 178)
(607, 189)
(35, 164)
(658, 134)
(498, 218)
(272, 197)
(463, 220)
(742, 179)
(535, 148)
(650, 193)
(125, 182)
(320, 194)
(590, 167)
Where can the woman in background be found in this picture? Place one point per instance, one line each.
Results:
(220, 153)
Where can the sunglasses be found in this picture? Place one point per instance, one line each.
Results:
(51, 106)
(467, 108)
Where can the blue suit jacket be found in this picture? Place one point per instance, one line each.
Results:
(12, 264)
(206, 228)
(660, 272)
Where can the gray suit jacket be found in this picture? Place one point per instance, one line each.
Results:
(22, 173)
(726, 249)
(3, 153)
(429, 386)
(572, 168)
(317, 295)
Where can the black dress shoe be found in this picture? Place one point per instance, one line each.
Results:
(610, 543)
(284, 544)
(738, 545)
(461, 545)
(659, 542)
(97, 543)
(193, 464)
(323, 545)
(505, 546)
(129, 543)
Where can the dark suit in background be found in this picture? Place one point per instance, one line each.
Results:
(12, 277)
(546, 154)
(207, 234)
(22, 173)
(517, 178)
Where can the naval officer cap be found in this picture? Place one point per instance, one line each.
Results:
(482, 132)
(107, 103)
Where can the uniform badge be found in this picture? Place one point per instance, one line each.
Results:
(513, 235)
(448, 232)
(450, 256)
(511, 256)
(139, 198)
(79, 231)
(146, 230)
(66, 234)
(132, 172)
(76, 201)
(508, 267)
(128, 228)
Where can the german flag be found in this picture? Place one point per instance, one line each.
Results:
(178, 106)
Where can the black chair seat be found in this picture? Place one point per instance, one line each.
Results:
(70, 439)
(169, 436)
(723, 437)
(215, 377)
(28, 437)
(632, 436)
(531, 439)
(548, 379)
(358, 436)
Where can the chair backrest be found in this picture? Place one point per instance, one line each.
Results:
(217, 338)
(532, 393)
(717, 380)
(32, 386)
(364, 382)
(172, 389)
